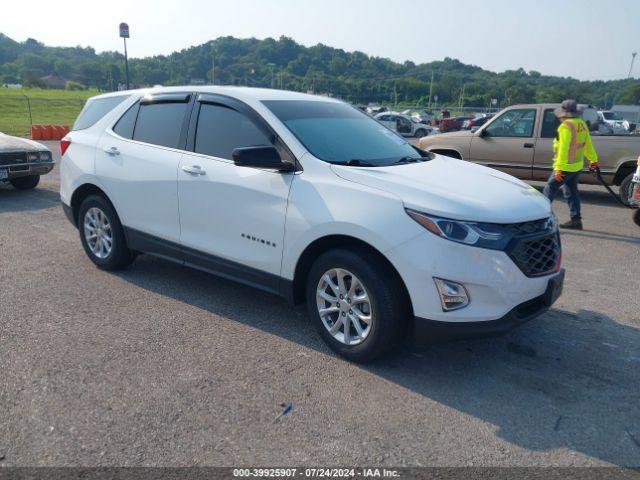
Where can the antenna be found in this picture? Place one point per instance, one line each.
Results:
(633, 59)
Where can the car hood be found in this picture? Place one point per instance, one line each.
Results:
(454, 189)
(12, 144)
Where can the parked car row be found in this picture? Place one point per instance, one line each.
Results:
(404, 125)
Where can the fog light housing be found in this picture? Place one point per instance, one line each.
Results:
(453, 295)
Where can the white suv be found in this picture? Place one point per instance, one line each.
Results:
(311, 199)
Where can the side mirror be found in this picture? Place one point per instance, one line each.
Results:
(484, 133)
(266, 157)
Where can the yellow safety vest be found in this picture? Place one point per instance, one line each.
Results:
(571, 145)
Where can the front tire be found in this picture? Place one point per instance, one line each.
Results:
(25, 183)
(421, 133)
(636, 217)
(626, 189)
(102, 235)
(357, 303)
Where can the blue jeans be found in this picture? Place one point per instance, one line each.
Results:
(569, 190)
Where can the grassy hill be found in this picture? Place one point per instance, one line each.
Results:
(283, 63)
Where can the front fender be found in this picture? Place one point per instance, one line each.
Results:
(335, 206)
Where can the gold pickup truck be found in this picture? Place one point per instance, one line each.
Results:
(519, 139)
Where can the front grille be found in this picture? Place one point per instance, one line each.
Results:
(536, 255)
(13, 158)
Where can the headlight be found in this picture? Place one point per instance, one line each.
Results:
(485, 235)
(45, 156)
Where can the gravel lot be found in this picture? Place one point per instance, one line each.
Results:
(162, 365)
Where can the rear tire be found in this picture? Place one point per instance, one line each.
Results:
(25, 183)
(636, 217)
(626, 189)
(102, 235)
(388, 311)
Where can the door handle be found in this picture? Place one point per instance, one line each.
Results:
(528, 145)
(193, 170)
(111, 151)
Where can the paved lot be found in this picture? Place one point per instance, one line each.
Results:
(162, 365)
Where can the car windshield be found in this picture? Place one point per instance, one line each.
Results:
(338, 133)
(612, 116)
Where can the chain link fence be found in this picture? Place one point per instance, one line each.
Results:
(19, 112)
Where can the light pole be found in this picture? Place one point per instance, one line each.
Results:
(273, 73)
(633, 58)
(213, 66)
(124, 34)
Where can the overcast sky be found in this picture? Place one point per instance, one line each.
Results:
(586, 39)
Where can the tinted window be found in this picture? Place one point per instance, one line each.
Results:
(514, 123)
(338, 133)
(160, 123)
(549, 124)
(95, 109)
(125, 125)
(221, 130)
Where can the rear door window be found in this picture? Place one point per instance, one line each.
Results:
(160, 123)
(221, 130)
(95, 109)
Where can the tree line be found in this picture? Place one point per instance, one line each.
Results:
(283, 63)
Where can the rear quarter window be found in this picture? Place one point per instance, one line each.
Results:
(95, 109)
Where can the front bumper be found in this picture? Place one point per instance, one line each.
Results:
(495, 284)
(28, 169)
(430, 331)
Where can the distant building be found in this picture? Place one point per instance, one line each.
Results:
(197, 81)
(54, 82)
(14, 86)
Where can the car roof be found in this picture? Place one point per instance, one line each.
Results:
(241, 93)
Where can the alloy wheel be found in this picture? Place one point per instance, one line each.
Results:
(344, 306)
(98, 233)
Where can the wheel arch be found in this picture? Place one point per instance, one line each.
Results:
(330, 242)
(624, 169)
(82, 192)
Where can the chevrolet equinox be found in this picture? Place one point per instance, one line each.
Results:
(311, 199)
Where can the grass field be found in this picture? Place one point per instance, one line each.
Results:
(47, 107)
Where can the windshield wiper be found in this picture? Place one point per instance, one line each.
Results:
(409, 160)
(355, 162)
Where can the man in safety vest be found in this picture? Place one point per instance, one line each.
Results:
(571, 145)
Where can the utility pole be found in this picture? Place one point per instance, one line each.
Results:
(430, 89)
(213, 66)
(124, 34)
(633, 58)
(273, 73)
